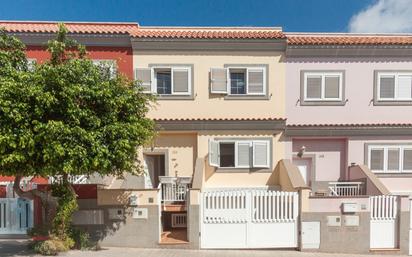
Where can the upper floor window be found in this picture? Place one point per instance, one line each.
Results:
(31, 64)
(326, 87)
(239, 153)
(107, 67)
(390, 158)
(394, 86)
(239, 81)
(166, 80)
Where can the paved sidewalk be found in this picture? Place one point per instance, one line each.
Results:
(18, 248)
(132, 252)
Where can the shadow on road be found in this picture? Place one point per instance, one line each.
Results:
(15, 247)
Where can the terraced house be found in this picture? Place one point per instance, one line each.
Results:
(265, 139)
(348, 114)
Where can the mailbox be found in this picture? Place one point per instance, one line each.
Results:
(350, 207)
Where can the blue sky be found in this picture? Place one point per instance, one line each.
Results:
(292, 15)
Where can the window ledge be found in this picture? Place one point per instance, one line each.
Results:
(246, 97)
(393, 174)
(322, 103)
(175, 97)
(391, 103)
(243, 170)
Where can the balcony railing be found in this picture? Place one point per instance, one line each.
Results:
(174, 189)
(73, 179)
(345, 188)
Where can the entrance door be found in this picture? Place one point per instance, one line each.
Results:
(383, 223)
(304, 166)
(154, 166)
(248, 218)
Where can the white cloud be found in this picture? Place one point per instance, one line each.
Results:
(384, 16)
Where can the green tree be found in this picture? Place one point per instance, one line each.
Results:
(66, 116)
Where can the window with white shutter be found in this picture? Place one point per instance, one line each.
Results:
(31, 64)
(181, 78)
(218, 81)
(261, 154)
(213, 153)
(166, 80)
(238, 80)
(376, 159)
(256, 81)
(390, 158)
(107, 67)
(323, 86)
(407, 159)
(394, 86)
(239, 153)
(243, 149)
(144, 76)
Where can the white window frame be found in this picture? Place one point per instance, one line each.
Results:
(247, 69)
(99, 61)
(31, 62)
(251, 153)
(172, 68)
(323, 75)
(385, 148)
(396, 75)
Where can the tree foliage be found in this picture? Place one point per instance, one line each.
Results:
(65, 116)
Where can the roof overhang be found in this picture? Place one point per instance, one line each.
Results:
(172, 44)
(220, 124)
(349, 130)
(109, 40)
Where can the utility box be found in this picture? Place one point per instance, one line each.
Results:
(116, 214)
(140, 213)
(310, 234)
(351, 221)
(350, 207)
(334, 221)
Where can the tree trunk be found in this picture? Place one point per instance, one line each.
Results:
(49, 203)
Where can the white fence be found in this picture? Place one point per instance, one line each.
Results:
(345, 188)
(249, 218)
(383, 207)
(383, 221)
(16, 215)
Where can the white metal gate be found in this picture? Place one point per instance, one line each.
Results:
(249, 218)
(16, 215)
(383, 224)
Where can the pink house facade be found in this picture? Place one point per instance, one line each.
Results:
(349, 104)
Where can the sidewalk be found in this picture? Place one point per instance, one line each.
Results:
(18, 248)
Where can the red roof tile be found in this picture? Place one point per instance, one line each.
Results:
(208, 33)
(73, 27)
(348, 39)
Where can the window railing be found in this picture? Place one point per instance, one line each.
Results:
(174, 189)
(345, 188)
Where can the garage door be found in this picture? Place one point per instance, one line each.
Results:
(249, 218)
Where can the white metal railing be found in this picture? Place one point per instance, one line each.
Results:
(73, 179)
(179, 220)
(174, 189)
(345, 188)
